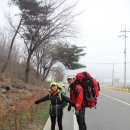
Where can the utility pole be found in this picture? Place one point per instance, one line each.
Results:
(124, 36)
(113, 75)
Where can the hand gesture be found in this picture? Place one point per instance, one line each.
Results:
(77, 105)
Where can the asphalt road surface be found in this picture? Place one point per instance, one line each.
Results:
(112, 113)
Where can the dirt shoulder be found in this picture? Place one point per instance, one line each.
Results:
(17, 108)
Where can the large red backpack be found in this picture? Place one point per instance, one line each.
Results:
(91, 88)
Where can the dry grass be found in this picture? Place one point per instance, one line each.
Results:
(20, 111)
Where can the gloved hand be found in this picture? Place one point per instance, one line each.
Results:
(76, 112)
(36, 102)
(69, 108)
(77, 105)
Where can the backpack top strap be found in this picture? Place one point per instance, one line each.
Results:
(87, 75)
(84, 73)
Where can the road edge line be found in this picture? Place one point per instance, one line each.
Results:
(47, 124)
(121, 101)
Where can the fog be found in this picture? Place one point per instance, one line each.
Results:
(99, 26)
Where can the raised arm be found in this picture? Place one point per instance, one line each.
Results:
(42, 99)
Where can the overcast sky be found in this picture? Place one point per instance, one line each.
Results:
(100, 24)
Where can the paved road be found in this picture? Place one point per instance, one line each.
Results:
(112, 113)
(68, 121)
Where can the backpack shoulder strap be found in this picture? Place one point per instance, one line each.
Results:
(49, 95)
(59, 94)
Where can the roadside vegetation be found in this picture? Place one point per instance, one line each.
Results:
(17, 108)
(34, 45)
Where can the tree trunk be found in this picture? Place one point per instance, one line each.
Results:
(11, 47)
(46, 72)
(38, 71)
(27, 70)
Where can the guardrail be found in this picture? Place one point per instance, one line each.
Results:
(117, 89)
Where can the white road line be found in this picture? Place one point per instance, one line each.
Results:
(116, 99)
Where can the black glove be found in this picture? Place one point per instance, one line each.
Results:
(36, 102)
(69, 108)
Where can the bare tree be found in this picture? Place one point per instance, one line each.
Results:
(4, 49)
(46, 60)
(40, 55)
(49, 54)
(11, 46)
(43, 21)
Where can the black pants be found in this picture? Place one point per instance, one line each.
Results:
(81, 120)
(59, 121)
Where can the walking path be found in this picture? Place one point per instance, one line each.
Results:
(69, 121)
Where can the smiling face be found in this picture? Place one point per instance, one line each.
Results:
(54, 87)
(70, 80)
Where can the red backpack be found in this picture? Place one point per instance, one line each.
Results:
(91, 88)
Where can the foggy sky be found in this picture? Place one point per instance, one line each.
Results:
(99, 26)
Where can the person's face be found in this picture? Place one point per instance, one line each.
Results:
(70, 80)
(54, 87)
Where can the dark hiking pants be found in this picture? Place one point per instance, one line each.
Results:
(81, 120)
(59, 121)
